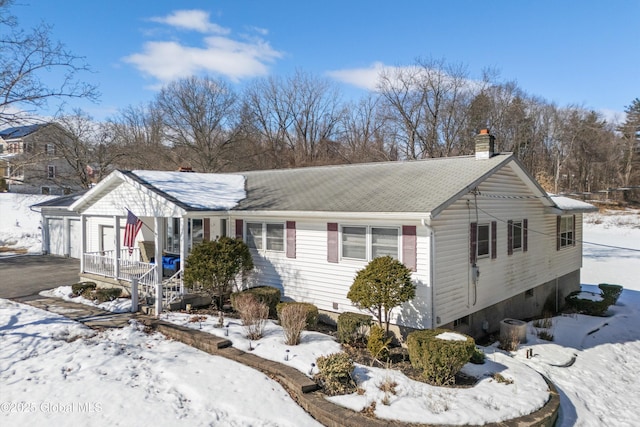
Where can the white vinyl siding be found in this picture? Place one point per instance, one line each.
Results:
(310, 277)
(503, 277)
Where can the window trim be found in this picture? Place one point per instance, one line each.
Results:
(369, 241)
(512, 227)
(488, 240)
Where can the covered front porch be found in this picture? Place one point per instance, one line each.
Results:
(108, 262)
(177, 210)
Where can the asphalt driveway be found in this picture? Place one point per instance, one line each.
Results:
(26, 275)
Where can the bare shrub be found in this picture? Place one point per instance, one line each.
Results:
(509, 341)
(293, 319)
(253, 314)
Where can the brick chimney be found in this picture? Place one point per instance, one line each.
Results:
(485, 145)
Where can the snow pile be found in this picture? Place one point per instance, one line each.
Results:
(20, 229)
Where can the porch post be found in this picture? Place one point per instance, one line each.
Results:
(184, 231)
(83, 240)
(116, 259)
(158, 224)
(66, 236)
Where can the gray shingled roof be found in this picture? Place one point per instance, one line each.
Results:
(20, 131)
(412, 186)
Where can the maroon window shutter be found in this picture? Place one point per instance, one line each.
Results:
(332, 242)
(510, 237)
(239, 228)
(473, 247)
(206, 229)
(494, 240)
(573, 231)
(558, 221)
(409, 247)
(525, 235)
(291, 239)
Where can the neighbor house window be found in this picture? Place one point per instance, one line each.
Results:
(50, 148)
(269, 236)
(367, 243)
(45, 190)
(566, 228)
(51, 171)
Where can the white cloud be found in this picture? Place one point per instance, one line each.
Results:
(196, 20)
(219, 54)
(236, 60)
(365, 78)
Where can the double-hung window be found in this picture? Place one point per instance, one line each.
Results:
(517, 235)
(268, 236)
(483, 241)
(566, 231)
(367, 242)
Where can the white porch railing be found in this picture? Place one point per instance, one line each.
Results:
(102, 264)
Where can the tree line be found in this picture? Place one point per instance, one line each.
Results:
(431, 109)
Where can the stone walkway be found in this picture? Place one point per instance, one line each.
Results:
(301, 388)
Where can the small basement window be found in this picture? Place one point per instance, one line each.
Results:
(461, 321)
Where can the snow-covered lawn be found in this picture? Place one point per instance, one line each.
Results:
(20, 226)
(66, 375)
(55, 372)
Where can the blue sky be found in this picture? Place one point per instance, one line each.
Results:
(569, 52)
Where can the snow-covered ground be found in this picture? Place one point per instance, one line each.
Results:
(19, 226)
(56, 372)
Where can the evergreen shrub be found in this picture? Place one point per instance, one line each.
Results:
(587, 306)
(610, 292)
(78, 289)
(439, 359)
(352, 327)
(334, 374)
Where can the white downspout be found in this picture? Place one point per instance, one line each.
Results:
(432, 266)
(183, 247)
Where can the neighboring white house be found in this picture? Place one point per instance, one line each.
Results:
(483, 239)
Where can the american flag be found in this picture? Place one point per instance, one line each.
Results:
(131, 230)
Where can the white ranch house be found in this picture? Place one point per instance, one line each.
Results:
(483, 239)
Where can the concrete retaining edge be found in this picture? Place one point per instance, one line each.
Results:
(305, 391)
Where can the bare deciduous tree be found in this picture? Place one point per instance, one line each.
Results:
(199, 116)
(25, 58)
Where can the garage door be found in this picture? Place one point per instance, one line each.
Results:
(56, 236)
(75, 237)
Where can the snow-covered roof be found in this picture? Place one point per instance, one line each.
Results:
(568, 204)
(210, 191)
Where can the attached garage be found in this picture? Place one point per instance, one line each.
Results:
(54, 238)
(61, 228)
